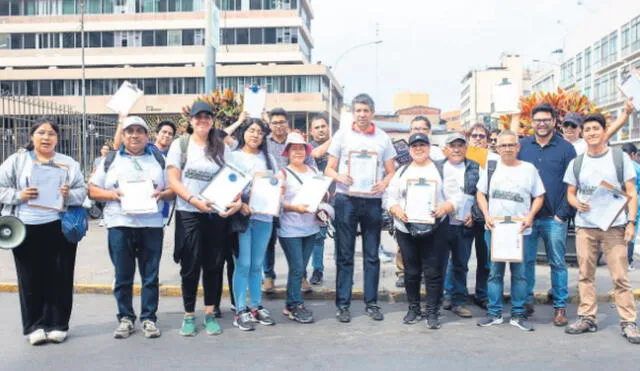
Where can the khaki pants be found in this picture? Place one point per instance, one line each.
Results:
(615, 251)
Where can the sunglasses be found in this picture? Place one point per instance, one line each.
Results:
(493, 140)
(569, 125)
(478, 136)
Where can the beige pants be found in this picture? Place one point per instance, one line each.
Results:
(615, 251)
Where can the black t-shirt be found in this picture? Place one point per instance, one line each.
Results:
(322, 160)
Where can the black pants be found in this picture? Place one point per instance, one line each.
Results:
(482, 257)
(201, 241)
(228, 259)
(424, 255)
(45, 263)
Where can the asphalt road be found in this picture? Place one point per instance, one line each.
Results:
(361, 345)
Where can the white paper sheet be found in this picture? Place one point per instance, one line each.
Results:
(630, 87)
(255, 99)
(421, 201)
(125, 98)
(363, 170)
(606, 204)
(506, 242)
(266, 194)
(505, 98)
(464, 209)
(137, 196)
(225, 187)
(312, 192)
(48, 179)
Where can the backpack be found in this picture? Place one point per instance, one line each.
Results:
(491, 168)
(111, 156)
(618, 162)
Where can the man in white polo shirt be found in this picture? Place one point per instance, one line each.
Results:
(362, 208)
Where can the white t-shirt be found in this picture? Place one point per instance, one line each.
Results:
(294, 224)
(580, 146)
(593, 171)
(253, 163)
(454, 186)
(347, 140)
(395, 193)
(512, 188)
(198, 171)
(124, 166)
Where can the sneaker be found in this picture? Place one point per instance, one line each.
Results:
(447, 304)
(560, 317)
(262, 316)
(462, 311)
(316, 278)
(373, 311)
(630, 331)
(412, 316)
(632, 267)
(433, 322)
(301, 314)
(521, 322)
(188, 326)
(306, 287)
(490, 320)
(124, 329)
(217, 312)
(400, 282)
(37, 337)
(244, 321)
(268, 285)
(101, 223)
(211, 325)
(57, 336)
(150, 330)
(529, 309)
(581, 325)
(343, 315)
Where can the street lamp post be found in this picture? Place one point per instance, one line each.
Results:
(84, 161)
(335, 66)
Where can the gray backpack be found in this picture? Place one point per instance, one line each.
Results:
(618, 162)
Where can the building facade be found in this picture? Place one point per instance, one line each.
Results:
(159, 45)
(452, 120)
(408, 99)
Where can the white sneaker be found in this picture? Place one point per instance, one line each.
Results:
(37, 337)
(101, 223)
(57, 336)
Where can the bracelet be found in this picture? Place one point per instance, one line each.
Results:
(189, 199)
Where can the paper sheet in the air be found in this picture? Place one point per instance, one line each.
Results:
(124, 99)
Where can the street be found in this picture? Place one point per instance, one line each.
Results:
(326, 344)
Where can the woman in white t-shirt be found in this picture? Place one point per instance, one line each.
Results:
(299, 229)
(252, 156)
(422, 253)
(202, 235)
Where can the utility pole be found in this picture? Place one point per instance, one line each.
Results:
(212, 42)
(83, 137)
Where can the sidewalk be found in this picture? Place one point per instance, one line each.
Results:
(94, 272)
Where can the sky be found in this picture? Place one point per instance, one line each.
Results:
(428, 46)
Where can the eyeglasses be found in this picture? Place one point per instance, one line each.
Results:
(569, 125)
(542, 121)
(478, 136)
(259, 133)
(507, 145)
(279, 123)
(46, 133)
(493, 140)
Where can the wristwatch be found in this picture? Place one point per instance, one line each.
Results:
(632, 222)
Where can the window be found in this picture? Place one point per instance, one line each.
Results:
(188, 37)
(68, 40)
(5, 41)
(68, 7)
(94, 6)
(228, 36)
(107, 40)
(579, 64)
(45, 87)
(255, 36)
(95, 39)
(174, 37)
(161, 38)
(164, 86)
(5, 8)
(190, 86)
(255, 5)
(613, 47)
(604, 51)
(587, 60)
(242, 36)
(147, 38)
(187, 5)
(149, 86)
(596, 55)
(29, 41)
(32, 87)
(57, 87)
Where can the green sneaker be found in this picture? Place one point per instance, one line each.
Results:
(211, 325)
(188, 326)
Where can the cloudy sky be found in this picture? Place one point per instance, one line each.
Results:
(429, 45)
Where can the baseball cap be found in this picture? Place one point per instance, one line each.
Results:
(199, 107)
(295, 138)
(419, 137)
(135, 121)
(456, 136)
(574, 118)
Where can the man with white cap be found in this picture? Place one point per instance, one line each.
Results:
(130, 236)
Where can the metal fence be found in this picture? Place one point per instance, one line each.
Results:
(17, 114)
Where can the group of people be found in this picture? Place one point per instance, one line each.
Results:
(539, 180)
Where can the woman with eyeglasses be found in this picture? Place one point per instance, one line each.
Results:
(45, 260)
(253, 156)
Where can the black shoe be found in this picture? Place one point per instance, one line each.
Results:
(482, 303)
(373, 311)
(412, 316)
(217, 313)
(529, 309)
(447, 304)
(316, 278)
(343, 315)
(433, 322)
(400, 282)
(301, 314)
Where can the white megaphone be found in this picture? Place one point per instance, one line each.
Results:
(12, 232)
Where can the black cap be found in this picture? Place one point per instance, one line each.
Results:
(419, 137)
(199, 107)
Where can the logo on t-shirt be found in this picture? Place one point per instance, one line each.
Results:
(203, 176)
(506, 195)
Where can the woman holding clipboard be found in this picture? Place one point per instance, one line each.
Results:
(421, 244)
(45, 260)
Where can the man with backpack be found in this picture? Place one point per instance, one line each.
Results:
(584, 176)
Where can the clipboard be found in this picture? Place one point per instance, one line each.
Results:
(255, 100)
(609, 204)
(630, 87)
(225, 187)
(312, 192)
(502, 244)
(266, 194)
(141, 202)
(421, 211)
(366, 163)
(48, 184)
(125, 98)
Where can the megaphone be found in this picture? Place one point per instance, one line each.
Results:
(12, 232)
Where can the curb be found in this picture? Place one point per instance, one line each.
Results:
(281, 293)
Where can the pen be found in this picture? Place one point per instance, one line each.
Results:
(27, 180)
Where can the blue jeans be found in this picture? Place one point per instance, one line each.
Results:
(317, 255)
(270, 256)
(125, 246)
(349, 212)
(252, 246)
(495, 285)
(554, 235)
(297, 250)
(459, 239)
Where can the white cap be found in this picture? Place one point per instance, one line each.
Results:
(135, 121)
